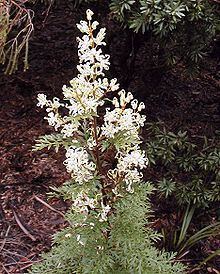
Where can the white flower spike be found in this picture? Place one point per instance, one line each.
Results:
(88, 139)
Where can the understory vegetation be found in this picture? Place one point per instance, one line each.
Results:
(142, 194)
(189, 177)
(176, 31)
(189, 172)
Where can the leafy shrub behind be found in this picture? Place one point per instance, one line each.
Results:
(190, 172)
(181, 30)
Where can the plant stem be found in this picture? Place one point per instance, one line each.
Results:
(97, 144)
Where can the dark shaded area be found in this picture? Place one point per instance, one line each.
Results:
(171, 96)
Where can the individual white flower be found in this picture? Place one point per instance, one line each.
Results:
(68, 129)
(104, 212)
(132, 177)
(91, 143)
(42, 100)
(68, 235)
(54, 120)
(115, 102)
(134, 104)
(100, 37)
(85, 70)
(124, 99)
(84, 44)
(141, 106)
(78, 164)
(135, 158)
(54, 105)
(78, 238)
(94, 26)
(102, 64)
(67, 92)
(89, 14)
(92, 104)
(83, 27)
(75, 108)
(82, 203)
(114, 85)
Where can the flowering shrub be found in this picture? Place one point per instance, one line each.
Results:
(107, 232)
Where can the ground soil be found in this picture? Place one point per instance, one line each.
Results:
(26, 223)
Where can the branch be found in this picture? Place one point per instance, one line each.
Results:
(22, 226)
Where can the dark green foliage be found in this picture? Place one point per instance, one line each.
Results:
(181, 29)
(78, 2)
(180, 240)
(189, 172)
(123, 245)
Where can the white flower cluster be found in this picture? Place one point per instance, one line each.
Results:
(123, 120)
(78, 164)
(82, 203)
(127, 169)
(52, 107)
(120, 128)
(135, 158)
(128, 165)
(88, 88)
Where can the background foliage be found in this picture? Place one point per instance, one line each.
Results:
(15, 30)
(176, 31)
(190, 171)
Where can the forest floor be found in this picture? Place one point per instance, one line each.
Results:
(28, 219)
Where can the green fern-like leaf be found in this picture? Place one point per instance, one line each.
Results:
(52, 140)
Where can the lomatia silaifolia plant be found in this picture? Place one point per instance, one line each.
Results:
(108, 227)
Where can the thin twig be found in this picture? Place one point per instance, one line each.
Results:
(22, 226)
(26, 266)
(4, 240)
(14, 254)
(47, 12)
(49, 206)
(5, 269)
(23, 263)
